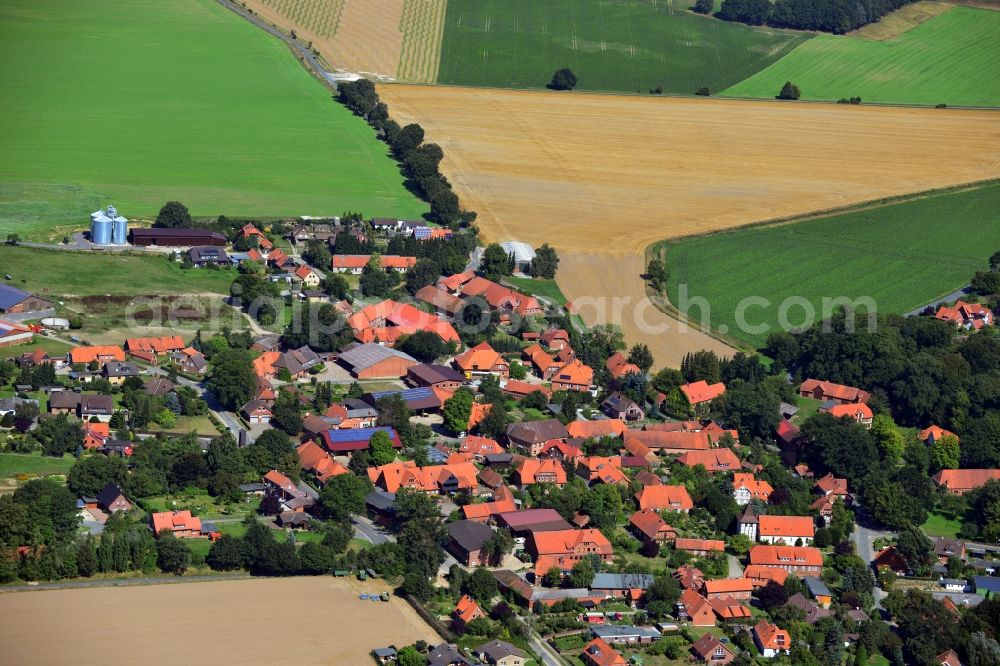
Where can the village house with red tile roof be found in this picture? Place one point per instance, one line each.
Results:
(799, 560)
(598, 653)
(387, 321)
(601, 469)
(482, 360)
(596, 429)
(664, 498)
(648, 525)
(98, 353)
(746, 488)
(700, 546)
(713, 460)
(838, 393)
(961, 481)
(858, 412)
(574, 376)
(530, 471)
(179, 523)
(970, 316)
(465, 612)
(786, 530)
(771, 640)
(701, 392)
(355, 263)
(933, 433)
(435, 479)
(501, 298)
(618, 366)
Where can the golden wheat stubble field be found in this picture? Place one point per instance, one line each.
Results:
(600, 177)
(389, 38)
(307, 620)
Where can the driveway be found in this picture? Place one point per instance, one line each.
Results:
(735, 568)
(864, 540)
(365, 529)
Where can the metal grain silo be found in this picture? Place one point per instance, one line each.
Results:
(119, 231)
(100, 231)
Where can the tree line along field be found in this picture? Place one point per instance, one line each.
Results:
(185, 100)
(612, 46)
(949, 59)
(902, 255)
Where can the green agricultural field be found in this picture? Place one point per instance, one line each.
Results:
(135, 103)
(616, 46)
(949, 59)
(13, 465)
(55, 272)
(901, 255)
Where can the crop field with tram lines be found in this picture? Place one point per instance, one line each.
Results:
(544, 167)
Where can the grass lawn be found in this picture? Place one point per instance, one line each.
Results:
(807, 407)
(899, 255)
(13, 465)
(202, 425)
(201, 504)
(538, 287)
(616, 46)
(949, 59)
(251, 134)
(939, 526)
(878, 660)
(358, 544)
(51, 345)
(53, 273)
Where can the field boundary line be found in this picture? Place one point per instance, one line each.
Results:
(660, 249)
(690, 96)
(871, 204)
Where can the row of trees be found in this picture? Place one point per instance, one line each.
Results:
(420, 161)
(836, 16)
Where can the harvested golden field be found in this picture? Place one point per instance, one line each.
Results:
(608, 175)
(389, 38)
(260, 621)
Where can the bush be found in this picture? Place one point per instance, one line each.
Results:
(564, 79)
(789, 91)
(704, 6)
(703, 91)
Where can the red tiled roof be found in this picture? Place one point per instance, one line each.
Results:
(159, 345)
(701, 391)
(596, 429)
(714, 545)
(786, 526)
(786, 556)
(88, 354)
(714, 460)
(834, 391)
(965, 479)
(481, 358)
(770, 636)
(467, 609)
(531, 468)
(935, 432)
(673, 440)
(560, 542)
(660, 498)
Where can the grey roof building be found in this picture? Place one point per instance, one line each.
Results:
(613, 581)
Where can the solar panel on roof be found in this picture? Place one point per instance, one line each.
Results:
(356, 434)
(406, 394)
(11, 296)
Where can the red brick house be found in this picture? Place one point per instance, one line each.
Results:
(649, 526)
(179, 523)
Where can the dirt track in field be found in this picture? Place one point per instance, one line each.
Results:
(608, 175)
(262, 621)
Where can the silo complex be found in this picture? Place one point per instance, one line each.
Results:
(108, 227)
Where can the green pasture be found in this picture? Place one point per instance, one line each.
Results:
(901, 255)
(950, 59)
(616, 46)
(135, 103)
